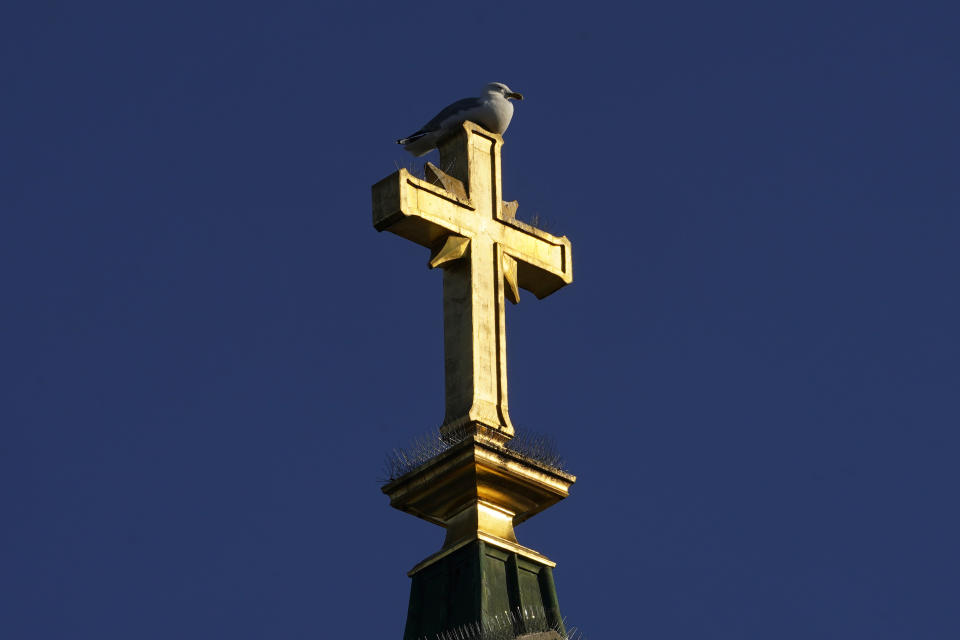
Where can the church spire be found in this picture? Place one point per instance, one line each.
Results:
(479, 486)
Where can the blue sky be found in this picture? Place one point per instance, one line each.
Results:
(206, 350)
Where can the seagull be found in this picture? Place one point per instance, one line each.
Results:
(492, 111)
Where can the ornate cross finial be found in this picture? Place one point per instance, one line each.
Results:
(486, 255)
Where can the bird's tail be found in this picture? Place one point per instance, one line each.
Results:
(412, 137)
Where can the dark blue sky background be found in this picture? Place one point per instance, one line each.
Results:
(206, 349)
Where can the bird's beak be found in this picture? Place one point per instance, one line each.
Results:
(515, 95)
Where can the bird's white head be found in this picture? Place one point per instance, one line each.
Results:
(503, 90)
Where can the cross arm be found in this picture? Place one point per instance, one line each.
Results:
(543, 261)
(417, 210)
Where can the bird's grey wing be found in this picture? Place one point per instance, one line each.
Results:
(460, 106)
(450, 111)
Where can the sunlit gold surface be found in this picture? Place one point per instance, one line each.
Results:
(479, 490)
(453, 248)
(479, 516)
(462, 199)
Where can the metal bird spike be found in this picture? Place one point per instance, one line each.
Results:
(402, 460)
(508, 625)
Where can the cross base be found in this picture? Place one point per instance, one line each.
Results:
(478, 489)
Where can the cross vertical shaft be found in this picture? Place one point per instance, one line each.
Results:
(474, 314)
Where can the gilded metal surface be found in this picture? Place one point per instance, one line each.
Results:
(453, 249)
(464, 199)
(480, 516)
(511, 286)
(447, 182)
(479, 490)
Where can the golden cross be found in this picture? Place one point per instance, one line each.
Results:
(486, 254)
